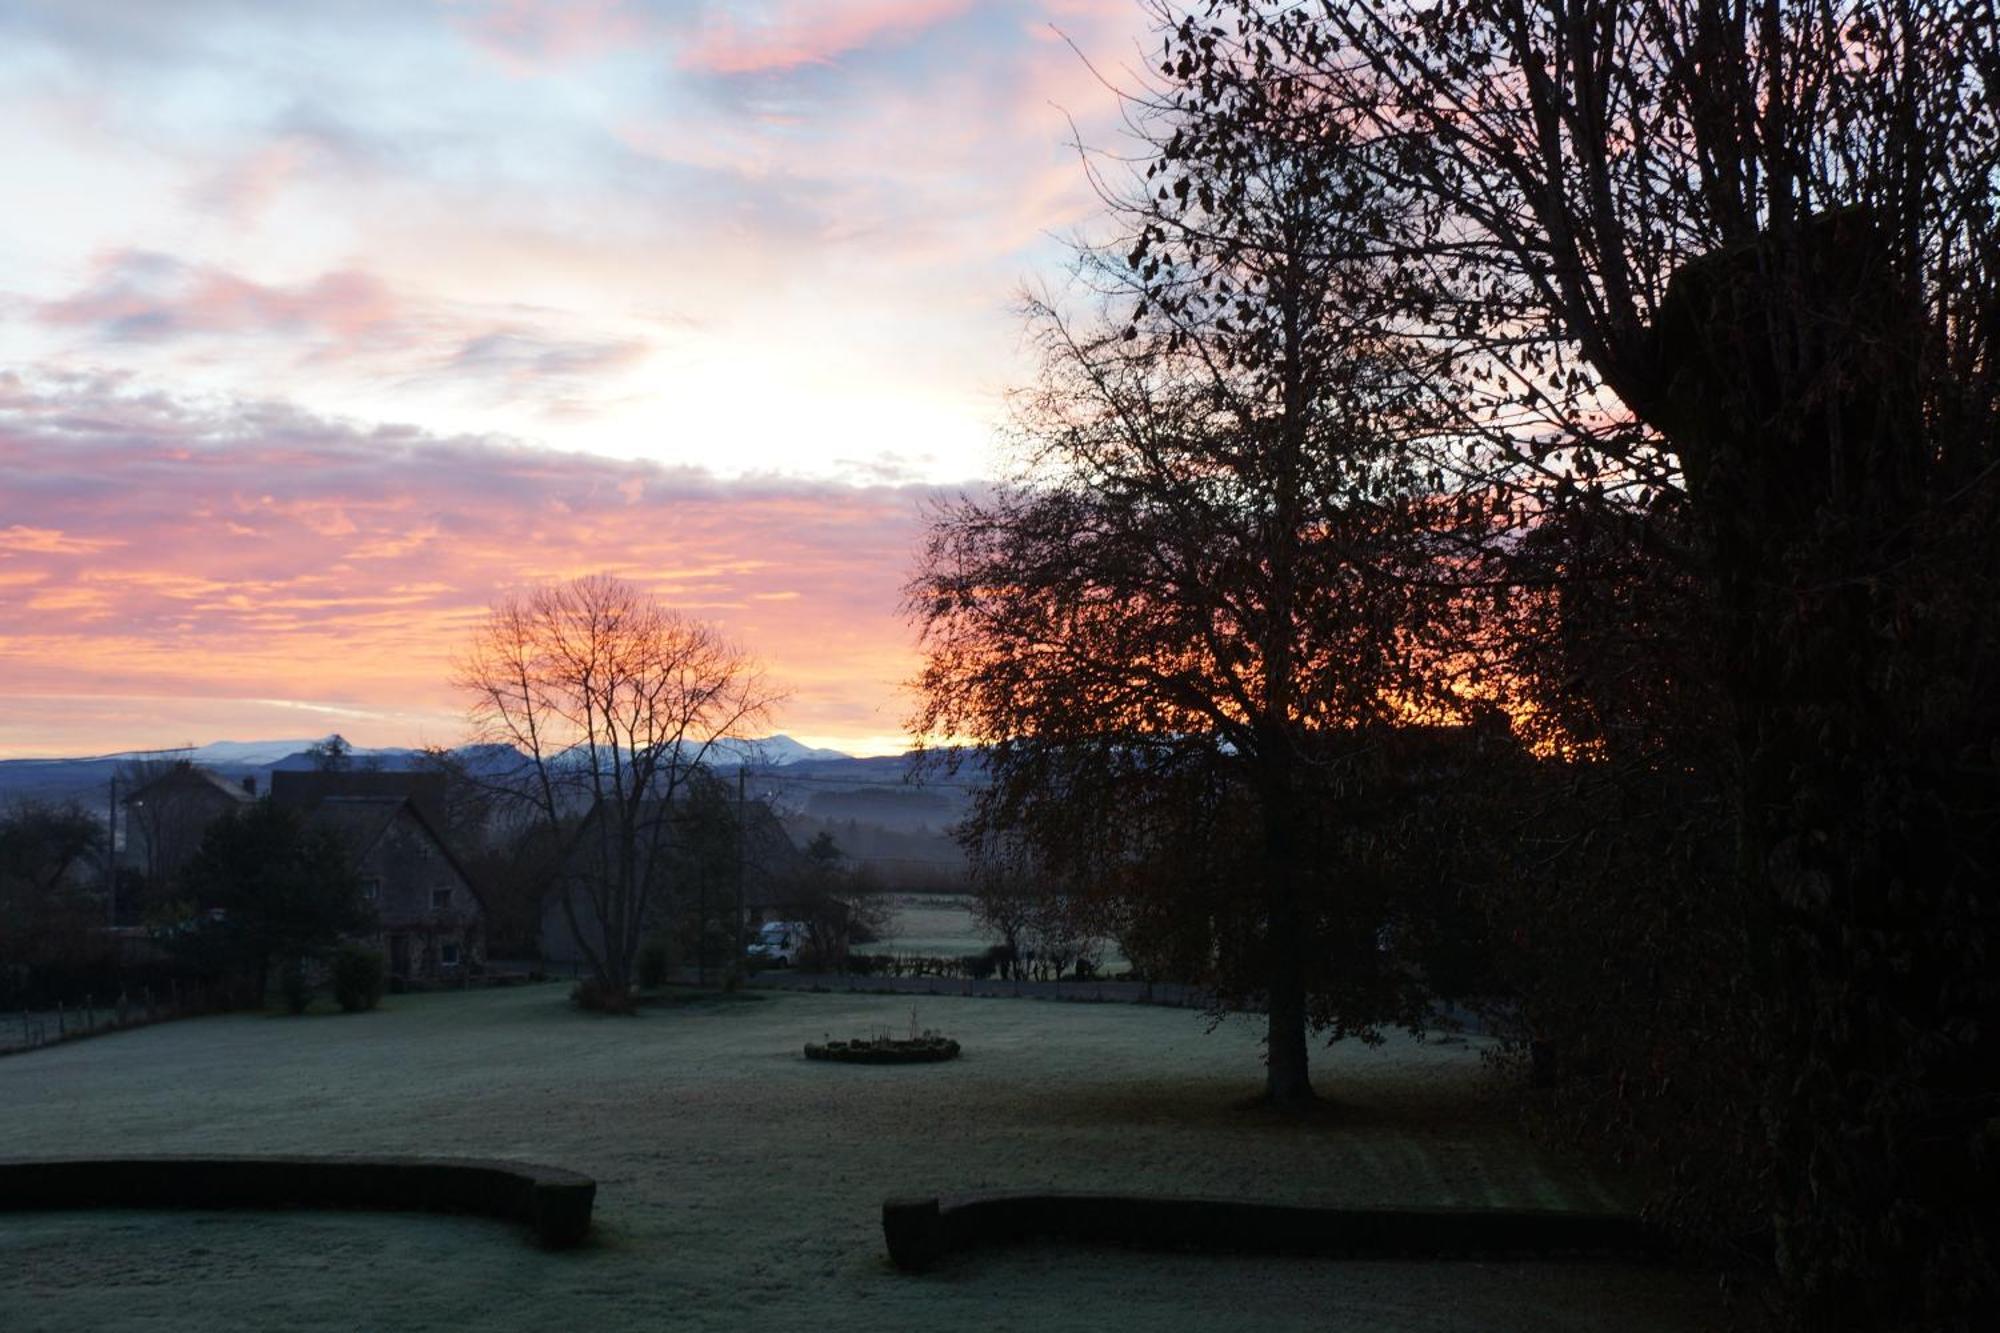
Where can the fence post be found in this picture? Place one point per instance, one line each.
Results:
(62, 1029)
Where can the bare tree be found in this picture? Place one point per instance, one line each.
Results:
(1004, 900)
(616, 703)
(837, 902)
(168, 822)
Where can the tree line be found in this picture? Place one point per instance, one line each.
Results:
(1509, 503)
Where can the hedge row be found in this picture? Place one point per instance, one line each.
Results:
(994, 962)
(556, 1203)
(917, 1051)
(920, 1232)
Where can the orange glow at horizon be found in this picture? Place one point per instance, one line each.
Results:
(327, 584)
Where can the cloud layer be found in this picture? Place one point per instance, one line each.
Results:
(174, 569)
(701, 292)
(613, 225)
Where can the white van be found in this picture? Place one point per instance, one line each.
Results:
(779, 943)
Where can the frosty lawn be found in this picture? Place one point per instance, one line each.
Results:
(934, 925)
(941, 925)
(741, 1185)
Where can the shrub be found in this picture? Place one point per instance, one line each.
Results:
(358, 976)
(653, 964)
(601, 999)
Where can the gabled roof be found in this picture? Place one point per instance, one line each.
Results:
(360, 822)
(303, 790)
(184, 775)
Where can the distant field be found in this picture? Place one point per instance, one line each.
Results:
(937, 925)
(740, 1185)
(940, 925)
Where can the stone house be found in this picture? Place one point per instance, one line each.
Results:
(431, 923)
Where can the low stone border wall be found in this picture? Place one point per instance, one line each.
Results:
(920, 1051)
(556, 1203)
(920, 1232)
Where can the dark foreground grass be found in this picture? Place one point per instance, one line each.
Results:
(740, 1184)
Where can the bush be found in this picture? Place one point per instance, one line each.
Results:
(653, 964)
(358, 977)
(598, 998)
(292, 985)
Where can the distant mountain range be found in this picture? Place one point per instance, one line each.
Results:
(880, 810)
(769, 750)
(62, 779)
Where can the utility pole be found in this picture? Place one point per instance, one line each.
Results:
(742, 846)
(111, 855)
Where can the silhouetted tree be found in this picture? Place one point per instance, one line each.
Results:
(616, 703)
(48, 906)
(1212, 582)
(1005, 891)
(1742, 259)
(834, 899)
(332, 755)
(285, 892)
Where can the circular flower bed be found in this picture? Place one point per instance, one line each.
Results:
(926, 1049)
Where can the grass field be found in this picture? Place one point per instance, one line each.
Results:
(740, 1186)
(940, 925)
(936, 925)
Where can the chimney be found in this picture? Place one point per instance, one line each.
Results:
(250, 785)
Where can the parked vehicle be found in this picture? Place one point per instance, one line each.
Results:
(778, 943)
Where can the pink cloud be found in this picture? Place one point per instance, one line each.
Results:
(178, 553)
(245, 188)
(808, 32)
(349, 320)
(535, 35)
(141, 295)
(23, 539)
(531, 34)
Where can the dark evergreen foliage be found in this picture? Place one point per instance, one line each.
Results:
(268, 889)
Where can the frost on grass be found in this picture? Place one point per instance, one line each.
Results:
(739, 1182)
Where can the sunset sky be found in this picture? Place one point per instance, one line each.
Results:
(322, 325)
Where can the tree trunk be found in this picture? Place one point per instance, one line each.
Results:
(1286, 1082)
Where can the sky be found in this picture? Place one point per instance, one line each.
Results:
(324, 325)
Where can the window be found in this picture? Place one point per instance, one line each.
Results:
(440, 899)
(447, 954)
(371, 888)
